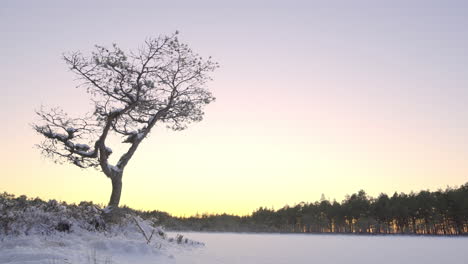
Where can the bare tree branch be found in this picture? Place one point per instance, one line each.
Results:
(163, 82)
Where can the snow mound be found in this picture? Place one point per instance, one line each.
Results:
(84, 247)
(39, 232)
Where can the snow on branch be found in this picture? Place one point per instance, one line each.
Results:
(162, 82)
(62, 134)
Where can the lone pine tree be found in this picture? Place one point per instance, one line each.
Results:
(162, 82)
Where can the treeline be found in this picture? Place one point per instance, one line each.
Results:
(443, 212)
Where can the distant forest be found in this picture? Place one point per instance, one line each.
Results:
(443, 212)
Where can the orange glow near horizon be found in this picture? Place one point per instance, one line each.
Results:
(225, 168)
(311, 100)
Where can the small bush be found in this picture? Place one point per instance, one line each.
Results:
(179, 238)
(63, 227)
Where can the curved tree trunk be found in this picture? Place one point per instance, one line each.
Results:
(116, 190)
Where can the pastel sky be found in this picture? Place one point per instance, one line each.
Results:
(312, 98)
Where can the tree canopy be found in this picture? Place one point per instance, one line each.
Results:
(163, 82)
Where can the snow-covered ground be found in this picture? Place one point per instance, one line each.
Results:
(91, 248)
(229, 248)
(76, 248)
(38, 232)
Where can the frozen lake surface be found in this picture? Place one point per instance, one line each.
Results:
(230, 248)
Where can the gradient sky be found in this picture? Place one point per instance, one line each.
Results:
(312, 98)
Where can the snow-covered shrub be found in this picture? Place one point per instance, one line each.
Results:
(179, 238)
(22, 216)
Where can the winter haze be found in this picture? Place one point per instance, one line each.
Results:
(310, 99)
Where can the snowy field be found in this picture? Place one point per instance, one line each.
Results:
(125, 246)
(229, 248)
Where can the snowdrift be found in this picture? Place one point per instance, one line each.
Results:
(35, 231)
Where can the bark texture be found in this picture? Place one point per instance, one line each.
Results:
(116, 190)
